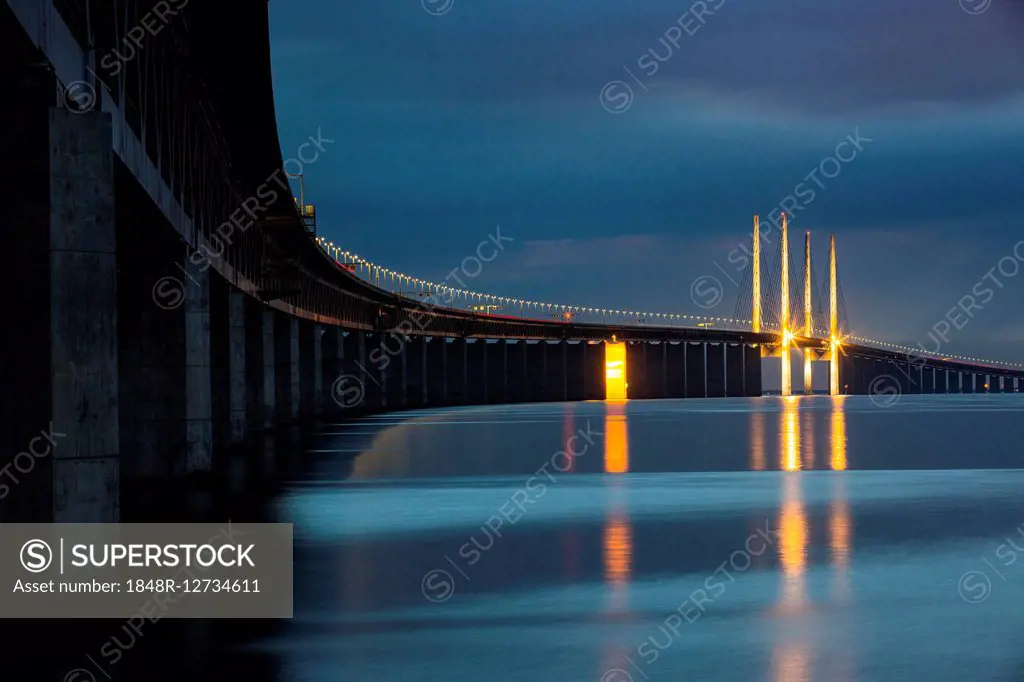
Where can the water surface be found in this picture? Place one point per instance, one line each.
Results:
(789, 539)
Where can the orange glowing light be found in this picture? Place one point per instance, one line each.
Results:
(757, 446)
(616, 440)
(839, 433)
(615, 371)
(618, 549)
(793, 537)
(790, 434)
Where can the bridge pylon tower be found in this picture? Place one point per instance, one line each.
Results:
(787, 333)
(833, 315)
(808, 322)
(755, 319)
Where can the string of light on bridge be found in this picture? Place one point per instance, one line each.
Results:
(373, 272)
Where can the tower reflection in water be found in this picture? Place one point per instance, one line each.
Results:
(791, 655)
(618, 530)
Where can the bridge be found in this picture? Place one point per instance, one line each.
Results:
(168, 297)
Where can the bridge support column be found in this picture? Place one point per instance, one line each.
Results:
(676, 370)
(517, 371)
(593, 371)
(927, 378)
(416, 371)
(916, 374)
(653, 367)
(238, 350)
(391, 350)
(198, 370)
(306, 368)
(497, 372)
(458, 372)
(269, 370)
(575, 370)
(752, 371)
(735, 375)
(437, 371)
(636, 370)
(332, 356)
(286, 367)
(476, 360)
(59, 349)
(562, 371)
(310, 359)
(696, 370)
(715, 368)
(220, 364)
(358, 373)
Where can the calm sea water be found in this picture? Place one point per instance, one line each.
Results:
(811, 538)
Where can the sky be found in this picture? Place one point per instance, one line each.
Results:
(625, 147)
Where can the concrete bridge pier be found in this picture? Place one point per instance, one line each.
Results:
(593, 360)
(59, 350)
(415, 353)
(269, 391)
(675, 369)
(476, 360)
(286, 368)
(310, 362)
(901, 373)
(576, 382)
(458, 372)
(240, 347)
(714, 367)
(928, 380)
(198, 370)
(332, 358)
(437, 370)
(357, 373)
(696, 367)
(644, 370)
(518, 380)
(391, 349)
(497, 371)
(915, 377)
(735, 376)
(752, 371)
(556, 370)
(637, 377)
(536, 353)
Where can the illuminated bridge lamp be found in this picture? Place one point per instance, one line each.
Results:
(614, 371)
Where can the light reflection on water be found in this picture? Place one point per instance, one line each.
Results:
(878, 512)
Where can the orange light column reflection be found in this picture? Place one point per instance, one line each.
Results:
(618, 531)
(793, 534)
(839, 433)
(790, 433)
(616, 439)
(757, 444)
